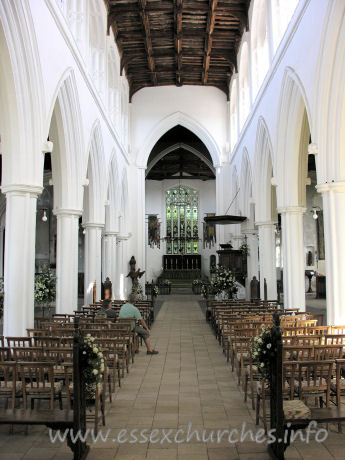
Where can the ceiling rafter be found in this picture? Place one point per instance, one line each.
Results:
(178, 7)
(178, 42)
(211, 19)
(148, 43)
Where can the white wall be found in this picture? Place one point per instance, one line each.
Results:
(201, 109)
(155, 204)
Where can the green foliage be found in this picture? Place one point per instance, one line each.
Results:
(92, 363)
(223, 282)
(138, 290)
(262, 351)
(244, 248)
(197, 282)
(45, 286)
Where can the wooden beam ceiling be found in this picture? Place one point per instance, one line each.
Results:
(178, 42)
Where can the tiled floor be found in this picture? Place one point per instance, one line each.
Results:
(189, 382)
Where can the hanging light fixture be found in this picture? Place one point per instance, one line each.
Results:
(315, 211)
(44, 217)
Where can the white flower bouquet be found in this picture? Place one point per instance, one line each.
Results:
(45, 286)
(92, 364)
(223, 283)
(262, 351)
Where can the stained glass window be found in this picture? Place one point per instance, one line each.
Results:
(182, 220)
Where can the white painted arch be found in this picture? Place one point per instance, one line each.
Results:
(169, 122)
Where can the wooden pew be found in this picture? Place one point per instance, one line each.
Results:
(59, 419)
(280, 423)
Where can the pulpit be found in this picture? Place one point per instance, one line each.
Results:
(235, 260)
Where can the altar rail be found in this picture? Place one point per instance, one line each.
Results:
(182, 262)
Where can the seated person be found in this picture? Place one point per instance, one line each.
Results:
(128, 310)
(106, 311)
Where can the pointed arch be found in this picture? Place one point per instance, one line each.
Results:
(293, 133)
(329, 111)
(114, 195)
(263, 167)
(21, 95)
(179, 118)
(245, 184)
(95, 195)
(65, 131)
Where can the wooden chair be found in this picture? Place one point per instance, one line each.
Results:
(5, 354)
(19, 341)
(39, 383)
(289, 371)
(99, 396)
(9, 385)
(29, 354)
(314, 378)
(298, 353)
(326, 352)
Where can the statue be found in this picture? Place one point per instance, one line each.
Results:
(108, 288)
(254, 288)
(134, 274)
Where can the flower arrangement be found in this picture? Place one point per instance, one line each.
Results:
(244, 248)
(155, 290)
(223, 282)
(262, 351)
(197, 282)
(92, 363)
(205, 289)
(138, 290)
(45, 286)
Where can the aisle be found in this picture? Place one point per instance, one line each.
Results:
(188, 382)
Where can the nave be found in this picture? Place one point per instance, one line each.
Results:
(189, 381)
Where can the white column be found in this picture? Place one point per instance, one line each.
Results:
(267, 259)
(93, 260)
(253, 256)
(140, 223)
(67, 260)
(121, 272)
(19, 258)
(110, 257)
(333, 195)
(293, 257)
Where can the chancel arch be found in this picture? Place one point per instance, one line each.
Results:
(176, 119)
(180, 192)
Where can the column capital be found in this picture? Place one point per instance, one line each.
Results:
(331, 187)
(93, 225)
(292, 210)
(22, 189)
(268, 223)
(124, 237)
(249, 232)
(64, 212)
(111, 233)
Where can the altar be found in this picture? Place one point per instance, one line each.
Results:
(182, 262)
(181, 267)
